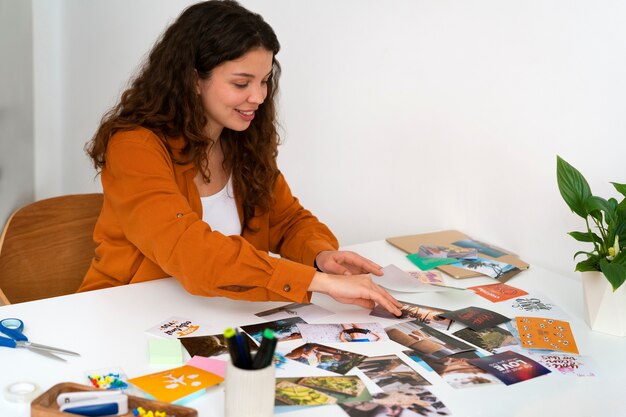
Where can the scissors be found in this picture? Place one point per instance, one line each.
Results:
(13, 328)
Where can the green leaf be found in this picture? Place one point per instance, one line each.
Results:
(585, 236)
(587, 265)
(594, 203)
(573, 187)
(614, 272)
(621, 188)
(580, 252)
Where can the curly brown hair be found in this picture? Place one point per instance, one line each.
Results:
(163, 98)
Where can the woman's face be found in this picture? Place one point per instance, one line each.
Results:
(235, 90)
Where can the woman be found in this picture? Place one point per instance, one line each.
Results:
(191, 186)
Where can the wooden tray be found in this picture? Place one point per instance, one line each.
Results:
(46, 404)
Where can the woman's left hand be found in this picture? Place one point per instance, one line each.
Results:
(346, 263)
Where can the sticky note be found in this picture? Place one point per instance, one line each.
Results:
(165, 352)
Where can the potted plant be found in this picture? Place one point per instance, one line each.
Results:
(604, 265)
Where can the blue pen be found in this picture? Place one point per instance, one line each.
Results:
(244, 351)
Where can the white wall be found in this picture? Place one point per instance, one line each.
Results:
(16, 107)
(398, 117)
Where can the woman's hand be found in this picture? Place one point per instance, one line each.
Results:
(345, 263)
(355, 289)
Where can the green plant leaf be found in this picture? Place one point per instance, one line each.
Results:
(621, 188)
(585, 236)
(614, 272)
(594, 203)
(588, 265)
(573, 187)
(580, 252)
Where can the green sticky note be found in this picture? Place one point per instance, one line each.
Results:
(429, 263)
(165, 352)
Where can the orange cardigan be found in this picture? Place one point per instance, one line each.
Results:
(151, 227)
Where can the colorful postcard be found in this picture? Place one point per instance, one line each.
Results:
(497, 292)
(174, 385)
(544, 333)
(177, 327)
(390, 372)
(492, 339)
(210, 345)
(510, 367)
(307, 312)
(431, 251)
(455, 370)
(320, 390)
(425, 340)
(286, 329)
(325, 357)
(476, 318)
(426, 264)
(492, 268)
(344, 332)
(566, 364)
(483, 248)
(424, 314)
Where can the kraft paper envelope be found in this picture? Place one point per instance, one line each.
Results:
(411, 244)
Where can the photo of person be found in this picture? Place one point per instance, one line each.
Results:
(389, 372)
(325, 357)
(283, 329)
(343, 332)
(358, 333)
(426, 341)
(456, 370)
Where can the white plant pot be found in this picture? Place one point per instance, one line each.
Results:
(605, 310)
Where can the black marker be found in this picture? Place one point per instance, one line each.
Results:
(263, 357)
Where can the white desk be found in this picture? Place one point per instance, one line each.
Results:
(108, 328)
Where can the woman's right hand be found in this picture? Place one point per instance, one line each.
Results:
(355, 289)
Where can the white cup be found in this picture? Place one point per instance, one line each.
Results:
(249, 392)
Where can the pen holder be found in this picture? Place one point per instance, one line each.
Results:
(249, 392)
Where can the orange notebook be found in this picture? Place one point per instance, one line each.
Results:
(174, 385)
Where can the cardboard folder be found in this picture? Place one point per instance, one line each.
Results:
(411, 244)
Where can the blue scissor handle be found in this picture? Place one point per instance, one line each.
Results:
(13, 328)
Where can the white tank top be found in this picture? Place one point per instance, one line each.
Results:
(220, 211)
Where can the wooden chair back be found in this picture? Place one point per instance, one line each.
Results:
(46, 247)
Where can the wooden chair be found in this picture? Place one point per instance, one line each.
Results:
(46, 247)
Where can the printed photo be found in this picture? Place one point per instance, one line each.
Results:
(286, 329)
(209, 345)
(307, 312)
(430, 251)
(390, 372)
(494, 269)
(491, 339)
(320, 390)
(344, 332)
(415, 402)
(424, 314)
(483, 248)
(510, 367)
(426, 341)
(325, 357)
(476, 318)
(427, 277)
(455, 370)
